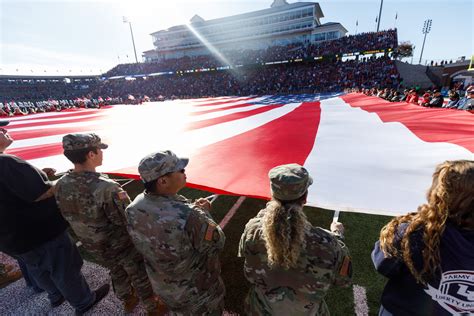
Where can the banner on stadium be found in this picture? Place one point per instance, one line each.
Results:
(364, 153)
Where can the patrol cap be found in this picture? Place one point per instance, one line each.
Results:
(159, 163)
(289, 182)
(4, 123)
(82, 141)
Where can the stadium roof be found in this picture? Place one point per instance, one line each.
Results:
(275, 9)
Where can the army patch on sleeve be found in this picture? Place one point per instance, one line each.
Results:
(211, 227)
(346, 268)
(122, 195)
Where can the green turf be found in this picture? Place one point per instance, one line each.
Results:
(361, 232)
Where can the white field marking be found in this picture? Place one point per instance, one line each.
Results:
(231, 212)
(335, 217)
(360, 300)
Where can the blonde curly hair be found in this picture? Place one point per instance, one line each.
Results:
(284, 229)
(450, 197)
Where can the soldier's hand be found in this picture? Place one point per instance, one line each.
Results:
(203, 203)
(337, 227)
(50, 172)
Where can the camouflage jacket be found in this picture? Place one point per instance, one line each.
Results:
(94, 206)
(324, 261)
(180, 244)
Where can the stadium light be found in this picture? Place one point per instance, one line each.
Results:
(426, 29)
(380, 15)
(125, 20)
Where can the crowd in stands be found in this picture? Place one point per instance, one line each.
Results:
(36, 89)
(347, 44)
(428, 98)
(325, 76)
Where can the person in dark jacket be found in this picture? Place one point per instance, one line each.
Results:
(428, 255)
(453, 100)
(33, 231)
(437, 100)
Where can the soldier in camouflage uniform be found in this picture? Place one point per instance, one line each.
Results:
(94, 206)
(289, 263)
(179, 239)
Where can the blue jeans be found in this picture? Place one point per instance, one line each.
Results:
(384, 312)
(29, 280)
(56, 267)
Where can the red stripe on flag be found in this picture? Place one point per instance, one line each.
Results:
(288, 139)
(62, 121)
(34, 152)
(230, 117)
(429, 124)
(47, 115)
(20, 135)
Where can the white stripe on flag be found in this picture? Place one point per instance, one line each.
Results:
(375, 167)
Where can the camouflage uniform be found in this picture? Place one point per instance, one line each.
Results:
(324, 261)
(94, 206)
(180, 243)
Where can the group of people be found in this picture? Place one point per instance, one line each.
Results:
(21, 108)
(370, 41)
(432, 99)
(164, 248)
(322, 76)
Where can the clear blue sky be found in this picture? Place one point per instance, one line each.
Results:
(70, 36)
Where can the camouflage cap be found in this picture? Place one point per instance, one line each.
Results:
(159, 163)
(289, 182)
(82, 141)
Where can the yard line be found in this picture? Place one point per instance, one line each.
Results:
(360, 300)
(231, 212)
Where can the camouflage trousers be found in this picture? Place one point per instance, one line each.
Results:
(209, 304)
(128, 273)
(2, 270)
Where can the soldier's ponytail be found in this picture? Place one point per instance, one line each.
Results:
(284, 227)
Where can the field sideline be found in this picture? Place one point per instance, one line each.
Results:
(361, 232)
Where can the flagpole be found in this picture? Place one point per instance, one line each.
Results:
(395, 24)
(125, 20)
(380, 15)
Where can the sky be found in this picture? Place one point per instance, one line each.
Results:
(85, 37)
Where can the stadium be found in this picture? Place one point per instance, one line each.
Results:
(238, 95)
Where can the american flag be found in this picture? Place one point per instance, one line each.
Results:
(365, 154)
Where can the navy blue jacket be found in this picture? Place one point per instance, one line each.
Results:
(450, 292)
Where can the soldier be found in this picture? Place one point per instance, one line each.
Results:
(289, 263)
(179, 239)
(94, 206)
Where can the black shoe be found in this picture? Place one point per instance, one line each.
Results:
(100, 293)
(57, 303)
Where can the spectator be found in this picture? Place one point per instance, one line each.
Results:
(437, 100)
(467, 103)
(453, 100)
(33, 230)
(423, 252)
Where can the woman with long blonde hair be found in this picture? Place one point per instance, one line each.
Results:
(289, 263)
(428, 255)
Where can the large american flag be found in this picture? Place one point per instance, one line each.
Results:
(365, 154)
